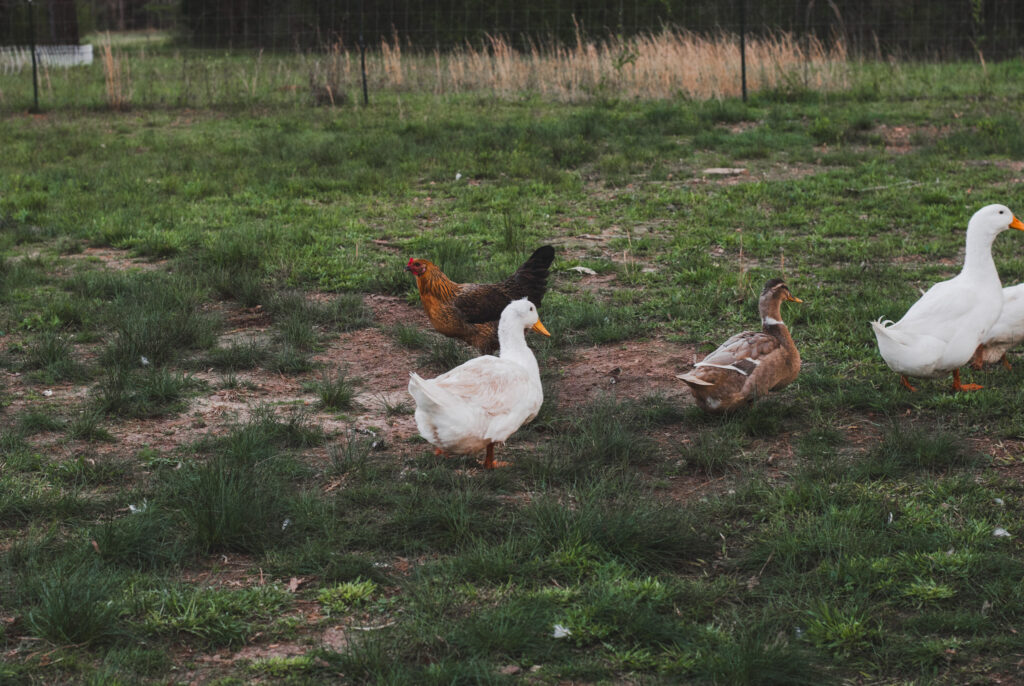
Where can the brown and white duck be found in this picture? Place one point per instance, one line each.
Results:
(750, 364)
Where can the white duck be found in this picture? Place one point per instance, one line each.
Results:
(484, 401)
(1007, 332)
(942, 330)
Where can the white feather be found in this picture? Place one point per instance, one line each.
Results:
(486, 399)
(941, 331)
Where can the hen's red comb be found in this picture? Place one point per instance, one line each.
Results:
(411, 260)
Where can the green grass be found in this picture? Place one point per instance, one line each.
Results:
(155, 507)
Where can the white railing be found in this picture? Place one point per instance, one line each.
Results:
(14, 59)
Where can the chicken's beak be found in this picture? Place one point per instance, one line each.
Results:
(1017, 224)
(539, 328)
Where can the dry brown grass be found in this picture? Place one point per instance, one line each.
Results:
(653, 66)
(117, 76)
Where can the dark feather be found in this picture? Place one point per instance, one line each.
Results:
(480, 303)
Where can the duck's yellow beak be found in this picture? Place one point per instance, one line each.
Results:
(792, 298)
(1017, 224)
(539, 328)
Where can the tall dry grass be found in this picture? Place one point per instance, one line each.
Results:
(117, 77)
(653, 66)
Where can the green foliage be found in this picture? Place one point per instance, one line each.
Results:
(335, 391)
(208, 617)
(73, 603)
(346, 596)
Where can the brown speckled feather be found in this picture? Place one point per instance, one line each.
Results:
(470, 311)
(749, 364)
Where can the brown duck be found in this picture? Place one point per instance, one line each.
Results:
(751, 363)
(470, 311)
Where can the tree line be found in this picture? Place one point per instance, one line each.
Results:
(913, 28)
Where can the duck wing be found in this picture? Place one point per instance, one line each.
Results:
(741, 353)
(940, 313)
(493, 384)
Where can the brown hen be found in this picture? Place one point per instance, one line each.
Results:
(470, 311)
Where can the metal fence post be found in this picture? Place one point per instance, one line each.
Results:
(362, 62)
(743, 47)
(362, 55)
(32, 46)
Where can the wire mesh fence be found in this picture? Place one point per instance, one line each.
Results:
(196, 53)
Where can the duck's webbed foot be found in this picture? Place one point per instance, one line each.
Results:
(957, 386)
(489, 461)
(906, 383)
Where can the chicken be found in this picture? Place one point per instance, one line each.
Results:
(470, 311)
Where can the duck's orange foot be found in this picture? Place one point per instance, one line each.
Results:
(1006, 363)
(968, 387)
(441, 451)
(494, 464)
(957, 386)
(903, 380)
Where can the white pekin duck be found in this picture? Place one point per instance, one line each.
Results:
(1005, 333)
(941, 331)
(484, 401)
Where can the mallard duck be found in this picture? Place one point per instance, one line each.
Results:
(751, 363)
(484, 401)
(1007, 332)
(941, 332)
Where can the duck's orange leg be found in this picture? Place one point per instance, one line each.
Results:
(957, 386)
(489, 461)
(441, 451)
(1006, 363)
(903, 380)
(978, 359)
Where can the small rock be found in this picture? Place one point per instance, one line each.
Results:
(1001, 533)
(561, 631)
(725, 171)
(583, 270)
(510, 669)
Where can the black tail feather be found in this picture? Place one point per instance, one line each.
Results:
(531, 279)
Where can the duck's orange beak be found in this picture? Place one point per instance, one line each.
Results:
(792, 298)
(1017, 224)
(539, 328)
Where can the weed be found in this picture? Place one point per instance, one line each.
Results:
(37, 421)
(904, 449)
(346, 596)
(51, 355)
(237, 356)
(150, 393)
(85, 426)
(335, 391)
(208, 617)
(289, 360)
(444, 353)
(712, 453)
(73, 603)
(410, 336)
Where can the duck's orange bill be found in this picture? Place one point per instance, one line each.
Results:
(539, 328)
(1017, 224)
(793, 298)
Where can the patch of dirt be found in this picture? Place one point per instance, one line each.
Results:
(897, 139)
(116, 260)
(630, 369)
